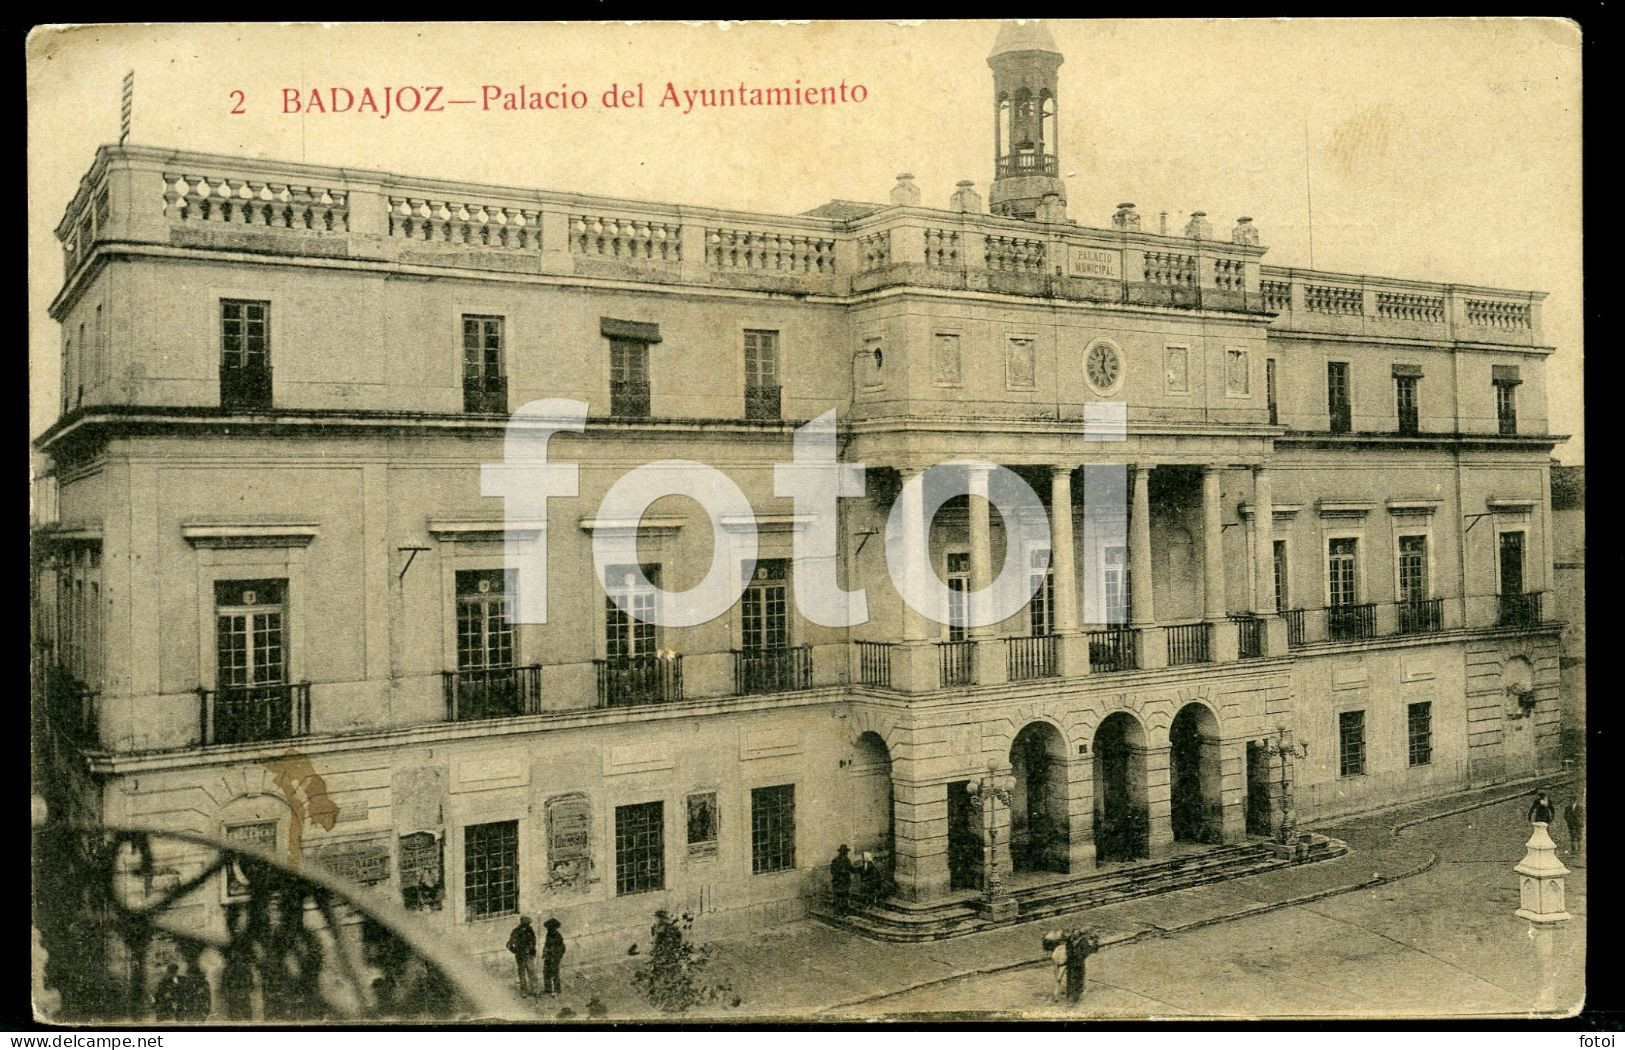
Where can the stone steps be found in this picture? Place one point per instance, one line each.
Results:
(912, 921)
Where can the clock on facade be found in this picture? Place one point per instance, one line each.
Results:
(1103, 367)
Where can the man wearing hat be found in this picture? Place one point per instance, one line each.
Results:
(552, 955)
(522, 942)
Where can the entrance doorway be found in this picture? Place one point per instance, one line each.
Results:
(1038, 805)
(869, 788)
(1259, 816)
(964, 839)
(1122, 822)
(1197, 808)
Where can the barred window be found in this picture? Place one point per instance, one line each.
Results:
(628, 624)
(1343, 586)
(491, 869)
(1419, 733)
(703, 820)
(763, 608)
(1351, 743)
(772, 828)
(640, 848)
(484, 632)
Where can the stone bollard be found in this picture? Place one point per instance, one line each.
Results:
(1540, 885)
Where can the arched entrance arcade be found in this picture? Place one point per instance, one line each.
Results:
(1039, 837)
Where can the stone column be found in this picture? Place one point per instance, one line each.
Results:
(1223, 644)
(1274, 630)
(1233, 788)
(1142, 612)
(1080, 808)
(914, 665)
(1159, 799)
(989, 668)
(920, 825)
(1073, 646)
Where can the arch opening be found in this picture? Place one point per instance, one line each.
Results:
(1122, 818)
(1196, 804)
(1039, 832)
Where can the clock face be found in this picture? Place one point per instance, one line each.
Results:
(1103, 367)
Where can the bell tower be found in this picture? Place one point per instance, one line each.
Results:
(1026, 167)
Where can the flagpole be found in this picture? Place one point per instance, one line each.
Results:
(1309, 194)
(125, 106)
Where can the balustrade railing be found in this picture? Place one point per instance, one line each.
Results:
(485, 394)
(465, 225)
(612, 237)
(1518, 610)
(1296, 627)
(942, 248)
(1032, 656)
(1229, 275)
(247, 202)
(769, 252)
(956, 662)
(1351, 623)
(1330, 299)
(1249, 636)
(1419, 615)
(1402, 306)
(1170, 269)
(777, 670)
(1019, 164)
(874, 250)
(253, 714)
(1187, 644)
(627, 680)
(1277, 295)
(874, 664)
(492, 692)
(1014, 254)
(1114, 649)
(1487, 313)
(629, 399)
(761, 402)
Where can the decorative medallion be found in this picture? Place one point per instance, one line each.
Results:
(1103, 367)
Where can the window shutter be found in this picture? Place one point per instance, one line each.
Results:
(639, 331)
(1407, 371)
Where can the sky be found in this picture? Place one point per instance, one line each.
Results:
(1445, 150)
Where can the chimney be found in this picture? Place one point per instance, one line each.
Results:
(965, 198)
(1245, 232)
(1162, 223)
(905, 192)
(1126, 218)
(1199, 229)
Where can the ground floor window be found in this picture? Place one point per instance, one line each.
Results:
(1419, 733)
(1350, 743)
(491, 868)
(702, 823)
(773, 828)
(640, 848)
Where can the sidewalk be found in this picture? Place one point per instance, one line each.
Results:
(809, 971)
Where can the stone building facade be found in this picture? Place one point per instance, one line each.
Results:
(1285, 507)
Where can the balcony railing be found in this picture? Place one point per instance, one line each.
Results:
(487, 395)
(1296, 634)
(245, 389)
(1341, 418)
(1026, 164)
(1249, 636)
(71, 706)
(251, 714)
(772, 670)
(1187, 644)
(1518, 610)
(629, 399)
(874, 664)
(1114, 649)
(762, 402)
(492, 692)
(1031, 656)
(957, 662)
(1351, 623)
(627, 680)
(1420, 615)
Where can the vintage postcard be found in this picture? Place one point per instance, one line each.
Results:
(806, 522)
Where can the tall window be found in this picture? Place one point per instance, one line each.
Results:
(640, 848)
(704, 819)
(1511, 556)
(485, 380)
(1041, 579)
(1342, 568)
(245, 354)
(1269, 390)
(763, 607)
(249, 649)
(1282, 600)
(628, 377)
(1405, 404)
(761, 374)
(1337, 396)
(1117, 584)
(1419, 733)
(630, 634)
(1350, 743)
(491, 869)
(1413, 569)
(772, 828)
(958, 595)
(1506, 407)
(484, 634)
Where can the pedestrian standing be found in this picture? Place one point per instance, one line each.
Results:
(522, 943)
(1540, 812)
(166, 996)
(1055, 944)
(1080, 944)
(552, 955)
(840, 880)
(1574, 817)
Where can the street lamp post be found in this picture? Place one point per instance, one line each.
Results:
(1284, 748)
(984, 795)
(1541, 904)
